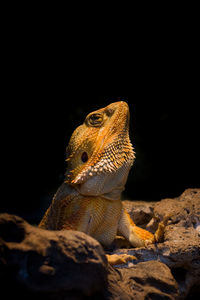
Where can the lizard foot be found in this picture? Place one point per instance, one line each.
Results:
(159, 234)
(118, 259)
(140, 237)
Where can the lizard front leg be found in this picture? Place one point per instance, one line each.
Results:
(137, 236)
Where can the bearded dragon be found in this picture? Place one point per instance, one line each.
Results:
(99, 157)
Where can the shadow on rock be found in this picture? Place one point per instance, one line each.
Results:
(72, 265)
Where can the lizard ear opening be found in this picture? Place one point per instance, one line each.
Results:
(84, 157)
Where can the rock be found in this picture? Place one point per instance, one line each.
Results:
(184, 210)
(180, 250)
(71, 265)
(146, 280)
(50, 263)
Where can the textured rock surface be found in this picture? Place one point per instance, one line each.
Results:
(145, 280)
(72, 265)
(180, 250)
(48, 262)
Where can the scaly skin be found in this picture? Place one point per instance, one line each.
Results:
(99, 157)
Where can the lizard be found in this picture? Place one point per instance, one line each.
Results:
(99, 158)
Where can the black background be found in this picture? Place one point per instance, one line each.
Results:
(49, 73)
(164, 129)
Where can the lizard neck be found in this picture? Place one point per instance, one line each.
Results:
(112, 195)
(108, 185)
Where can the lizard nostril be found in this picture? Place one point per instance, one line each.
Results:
(84, 157)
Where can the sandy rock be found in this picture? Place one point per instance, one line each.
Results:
(71, 265)
(180, 250)
(145, 280)
(36, 263)
(50, 262)
(184, 210)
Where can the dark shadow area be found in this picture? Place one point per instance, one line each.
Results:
(179, 274)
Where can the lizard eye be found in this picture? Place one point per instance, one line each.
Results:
(95, 119)
(84, 157)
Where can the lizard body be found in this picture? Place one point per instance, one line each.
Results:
(99, 157)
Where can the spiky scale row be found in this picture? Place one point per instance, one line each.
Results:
(110, 160)
(115, 155)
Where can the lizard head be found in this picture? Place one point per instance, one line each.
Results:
(100, 153)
